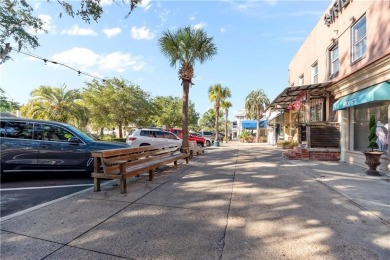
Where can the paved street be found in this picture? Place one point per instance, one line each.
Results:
(238, 201)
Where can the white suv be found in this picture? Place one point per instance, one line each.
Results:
(154, 137)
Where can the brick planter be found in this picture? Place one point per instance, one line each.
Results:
(314, 154)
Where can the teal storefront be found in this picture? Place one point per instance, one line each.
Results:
(355, 110)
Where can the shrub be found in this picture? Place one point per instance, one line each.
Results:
(245, 137)
(371, 133)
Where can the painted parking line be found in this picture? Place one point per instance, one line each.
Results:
(54, 201)
(47, 187)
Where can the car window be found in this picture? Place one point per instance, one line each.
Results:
(147, 133)
(160, 134)
(132, 132)
(176, 132)
(170, 135)
(55, 133)
(21, 130)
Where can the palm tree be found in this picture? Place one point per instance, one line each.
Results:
(185, 47)
(255, 104)
(57, 104)
(225, 105)
(217, 94)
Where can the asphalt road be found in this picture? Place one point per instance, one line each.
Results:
(23, 191)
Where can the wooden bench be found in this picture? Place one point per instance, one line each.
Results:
(127, 162)
(194, 148)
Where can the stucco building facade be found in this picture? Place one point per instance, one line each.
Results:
(341, 76)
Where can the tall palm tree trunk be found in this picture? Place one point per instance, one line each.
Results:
(226, 125)
(216, 123)
(186, 90)
(258, 126)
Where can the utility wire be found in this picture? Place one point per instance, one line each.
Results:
(62, 64)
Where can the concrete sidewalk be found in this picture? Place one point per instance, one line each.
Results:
(237, 201)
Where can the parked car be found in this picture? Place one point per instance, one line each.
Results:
(208, 140)
(155, 137)
(208, 134)
(200, 141)
(29, 145)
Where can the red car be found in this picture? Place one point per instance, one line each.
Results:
(201, 141)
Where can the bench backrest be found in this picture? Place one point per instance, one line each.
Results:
(109, 160)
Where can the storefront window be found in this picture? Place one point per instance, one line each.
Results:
(316, 109)
(360, 120)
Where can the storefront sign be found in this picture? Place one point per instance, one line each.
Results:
(335, 10)
(302, 96)
(297, 104)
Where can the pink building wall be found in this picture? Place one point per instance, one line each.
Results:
(322, 37)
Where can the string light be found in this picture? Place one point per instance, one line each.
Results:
(79, 72)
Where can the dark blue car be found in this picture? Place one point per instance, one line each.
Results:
(29, 145)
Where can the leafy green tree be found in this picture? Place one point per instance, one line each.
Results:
(184, 47)
(17, 19)
(217, 94)
(255, 104)
(7, 105)
(207, 121)
(57, 104)
(225, 105)
(170, 112)
(119, 103)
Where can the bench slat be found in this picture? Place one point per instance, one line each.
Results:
(126, 162)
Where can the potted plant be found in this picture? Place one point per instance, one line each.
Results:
(372, 157)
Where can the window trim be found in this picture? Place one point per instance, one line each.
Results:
(313, 76)
(332, 61)
(301, 80)
(355, 59)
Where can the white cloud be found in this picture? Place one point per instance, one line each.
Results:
(47, 25)
(163, 17)
(77, 57)
(112, 32)
(272, 2)
(200, 25)
(120, 62)
(145, 4)
(222, 30)
(141, 33)
(105, 2)
(36, 5)
(86, 59)
(76, 30)
(191, 18)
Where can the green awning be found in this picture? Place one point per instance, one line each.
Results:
(379, 92)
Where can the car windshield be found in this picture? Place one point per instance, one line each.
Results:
(80, 133)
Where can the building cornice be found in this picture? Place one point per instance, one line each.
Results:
(374, 73)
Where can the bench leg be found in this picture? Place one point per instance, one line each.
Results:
(96, 184)
(187, 160)
(175, 164)
(150, 175)
(122, 185)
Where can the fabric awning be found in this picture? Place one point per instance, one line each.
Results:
(251, 124)
(379, 92)
(275, 114)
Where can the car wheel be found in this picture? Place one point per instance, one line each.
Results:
(208, 143)
(200, 144)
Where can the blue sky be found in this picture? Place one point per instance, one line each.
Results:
(256, 41)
